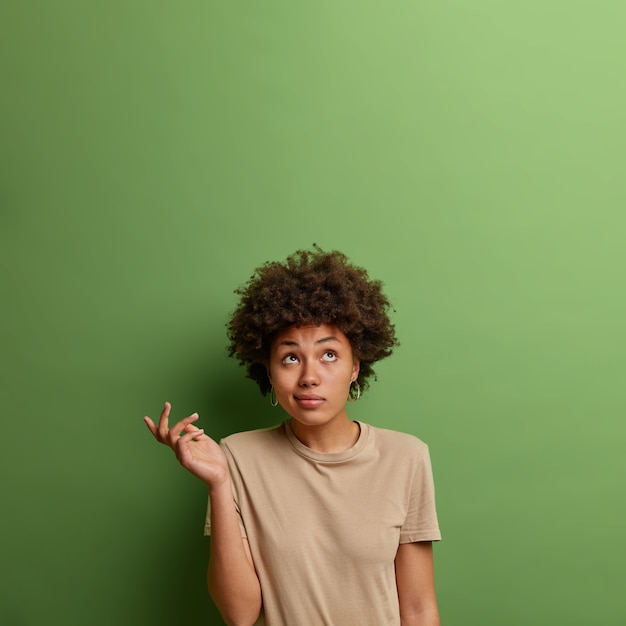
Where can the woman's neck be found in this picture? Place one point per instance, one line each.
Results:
(327, 437)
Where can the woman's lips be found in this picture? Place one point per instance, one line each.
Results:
(309, 401)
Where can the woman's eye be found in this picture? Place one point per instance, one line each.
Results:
(329, 356)
(290, 358)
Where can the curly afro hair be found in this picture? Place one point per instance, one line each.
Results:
(310, 287)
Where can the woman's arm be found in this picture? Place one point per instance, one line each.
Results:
(231, 576)
(416, 584)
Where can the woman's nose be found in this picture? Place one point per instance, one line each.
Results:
(309, 376)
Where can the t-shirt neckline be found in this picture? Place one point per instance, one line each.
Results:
(328, 457)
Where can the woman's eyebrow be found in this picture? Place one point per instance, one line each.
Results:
(290, 342)
(327, 339)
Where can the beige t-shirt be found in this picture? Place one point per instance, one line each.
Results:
(324, 528)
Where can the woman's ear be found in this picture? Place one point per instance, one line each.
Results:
(267, 371)
(356, 368)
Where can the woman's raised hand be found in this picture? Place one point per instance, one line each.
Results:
(194, 450)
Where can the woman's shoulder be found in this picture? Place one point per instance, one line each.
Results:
(397, 440)
(253, 438)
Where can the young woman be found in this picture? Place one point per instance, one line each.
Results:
(320, 521)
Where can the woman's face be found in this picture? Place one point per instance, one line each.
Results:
(311, 368)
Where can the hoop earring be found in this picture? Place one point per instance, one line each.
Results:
(354, 394)
(273, 398)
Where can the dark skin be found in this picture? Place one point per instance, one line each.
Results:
(311, 368)
(231, 577)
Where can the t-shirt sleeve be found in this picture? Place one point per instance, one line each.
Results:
(421, 519)
(207, 521)
(235, 481)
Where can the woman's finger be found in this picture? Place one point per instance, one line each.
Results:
(163, 420)
(179, 427)
(151, 426)
(187, 437)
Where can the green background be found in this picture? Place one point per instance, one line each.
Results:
(469, 154)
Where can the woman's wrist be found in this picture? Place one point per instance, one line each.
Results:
(219, 485)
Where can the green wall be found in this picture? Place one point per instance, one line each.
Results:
(469, 154)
